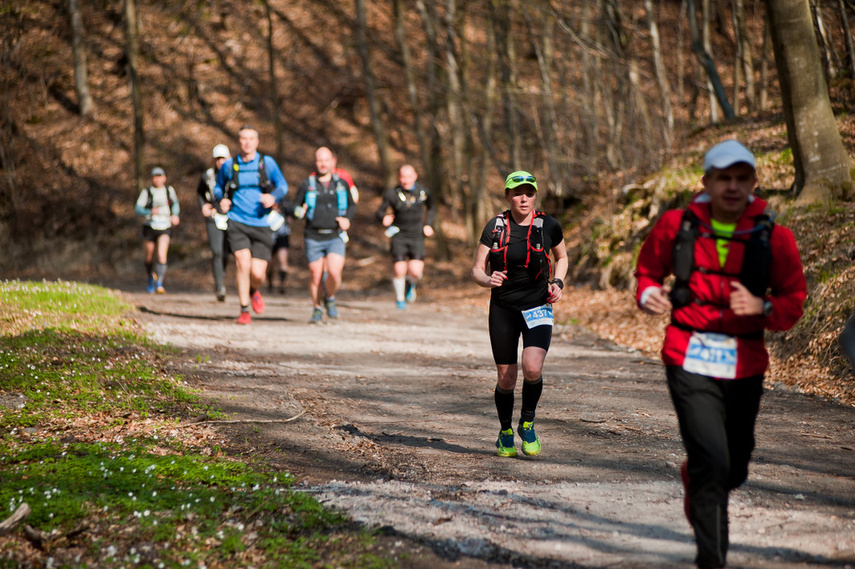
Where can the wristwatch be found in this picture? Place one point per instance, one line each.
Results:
(559, 282)
(767, 308)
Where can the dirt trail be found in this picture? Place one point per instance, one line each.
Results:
(399, 427)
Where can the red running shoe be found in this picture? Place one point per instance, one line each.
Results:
(244, 318)
(257, 303)
(684, 476)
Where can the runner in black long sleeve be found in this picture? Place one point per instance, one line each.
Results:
(409, 202)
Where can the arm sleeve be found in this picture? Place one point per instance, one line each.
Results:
(381, 211)
(430, 204)
(176, 207)
(140, 207)
(787, 281)
(556, 234)
(219, 186)
(275, 175)
(300, 198)
(487, 233)
(351, 205)
(654, 259)
(201, 190)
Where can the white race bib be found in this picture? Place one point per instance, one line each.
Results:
(711, 354)
(538, 316)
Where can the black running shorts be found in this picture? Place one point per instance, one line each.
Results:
(259, 240)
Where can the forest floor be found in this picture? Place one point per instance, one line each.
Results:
(397, 427)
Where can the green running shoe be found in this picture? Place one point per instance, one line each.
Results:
(530, 446)
(505, 443)
(317, 316)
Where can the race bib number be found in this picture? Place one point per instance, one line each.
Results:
(538, 316)
(711, 354)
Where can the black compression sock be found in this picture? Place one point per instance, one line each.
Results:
(504, 406)
(531, 391)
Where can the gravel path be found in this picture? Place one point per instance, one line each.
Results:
(399, 424)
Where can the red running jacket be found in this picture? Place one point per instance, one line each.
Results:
(712, 312)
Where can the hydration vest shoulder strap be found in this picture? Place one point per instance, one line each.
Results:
(150, 203)
(683, 258)
(757, 257)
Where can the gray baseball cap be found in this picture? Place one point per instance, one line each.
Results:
(157, 171)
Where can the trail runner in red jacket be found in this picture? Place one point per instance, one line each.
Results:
(714, 353)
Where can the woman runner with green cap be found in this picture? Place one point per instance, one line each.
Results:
(513, 259)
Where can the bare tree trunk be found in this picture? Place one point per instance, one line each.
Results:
(132, 56)
(745, 59)
(824, 170)
(705, 34)
(661, 74)
(847, 32)
(453, 101)
(480, 198)
(591, 76)
(507, 57)
(377, 125)
(737, 71)
(274, 85)
(11, 31)
(764, 63)
(81, 69)
(829, 56)
(706, 61)
(410, 76)
(681, 65)
(617, 96)
(545, 27)
(427, 11)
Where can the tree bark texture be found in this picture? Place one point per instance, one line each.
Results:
(377, 125)
(824, 170)
(661, 73)
(400, 11)
(847, 34)
(132, 55)
(274, 85)
(745, 59)
(81, 69)
(706, 62)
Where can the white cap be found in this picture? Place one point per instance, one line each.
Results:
(726, 154)
(222, 151)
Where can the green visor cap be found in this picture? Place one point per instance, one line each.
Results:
(519, 178)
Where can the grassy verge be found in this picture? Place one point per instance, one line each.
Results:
(90, 441)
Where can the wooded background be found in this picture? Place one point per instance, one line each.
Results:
(95, 93)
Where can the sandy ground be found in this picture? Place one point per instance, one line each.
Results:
(399, 425)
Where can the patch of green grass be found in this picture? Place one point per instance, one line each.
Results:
(69, 353)
(63, 374)
(63, 305)
(209, 507)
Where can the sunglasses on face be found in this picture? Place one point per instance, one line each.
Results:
(517, 179)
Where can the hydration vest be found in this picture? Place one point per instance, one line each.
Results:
(418, 197)
(537, 260)
(312, 196)
(754, 273)
(150, 202)
(264, 182)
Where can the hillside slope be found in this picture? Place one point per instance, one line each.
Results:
(66, 207)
